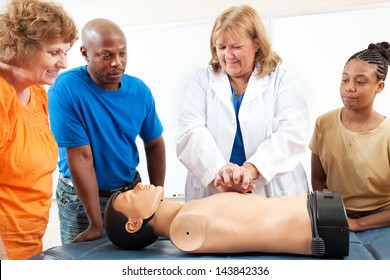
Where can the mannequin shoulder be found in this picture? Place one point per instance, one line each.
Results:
(188, 231)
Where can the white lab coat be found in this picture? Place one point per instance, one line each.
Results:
(274, 121)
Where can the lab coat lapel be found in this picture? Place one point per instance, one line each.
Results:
(255, 87)
(221, 87)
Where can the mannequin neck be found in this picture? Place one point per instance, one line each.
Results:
(164, 216)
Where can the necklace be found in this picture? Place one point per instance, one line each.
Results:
(359, 126)
(238, 91)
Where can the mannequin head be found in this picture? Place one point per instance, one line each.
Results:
(127, 215)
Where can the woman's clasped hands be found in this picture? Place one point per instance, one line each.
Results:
(234, 178)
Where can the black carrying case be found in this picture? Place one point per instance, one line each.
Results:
(332, 223)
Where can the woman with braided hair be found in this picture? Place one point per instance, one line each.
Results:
(351, 145)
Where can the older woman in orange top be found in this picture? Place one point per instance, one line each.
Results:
(34, 39)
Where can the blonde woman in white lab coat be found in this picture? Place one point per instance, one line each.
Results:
(243, 125)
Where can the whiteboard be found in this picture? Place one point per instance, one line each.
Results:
(165, 57)
(314, 47)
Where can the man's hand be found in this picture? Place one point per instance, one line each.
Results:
(91, 233)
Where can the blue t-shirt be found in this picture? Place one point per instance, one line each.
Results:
(81, 113)
(238, 152)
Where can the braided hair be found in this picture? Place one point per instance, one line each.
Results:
(377, 54)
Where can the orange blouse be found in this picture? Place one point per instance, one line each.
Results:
(28, 156)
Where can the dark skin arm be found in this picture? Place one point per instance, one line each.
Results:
(318, 176)
(80, 162)
(156, 161)
(377, 220)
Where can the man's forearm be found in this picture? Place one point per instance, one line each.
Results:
(84, 180)
(156, 161)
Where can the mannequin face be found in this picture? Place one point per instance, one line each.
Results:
(139, 203)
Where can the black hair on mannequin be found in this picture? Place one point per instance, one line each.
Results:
(115, 222)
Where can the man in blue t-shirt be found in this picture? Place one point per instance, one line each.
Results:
(96, 113)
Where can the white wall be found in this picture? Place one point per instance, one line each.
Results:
(147, 12)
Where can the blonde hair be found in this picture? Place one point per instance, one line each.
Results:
(237, 22)
(26, 25)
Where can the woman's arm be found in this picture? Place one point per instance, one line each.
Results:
(3, 250)
(377, 220)
(196, 147)
(286, 127)
(318, 176)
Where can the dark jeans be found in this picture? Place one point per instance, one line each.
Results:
(73, 219)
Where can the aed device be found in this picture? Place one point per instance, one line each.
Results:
(329, 221)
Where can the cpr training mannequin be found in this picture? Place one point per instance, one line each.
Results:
(228, 222)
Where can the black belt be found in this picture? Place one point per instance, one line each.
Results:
(358, 215)
(126, 187)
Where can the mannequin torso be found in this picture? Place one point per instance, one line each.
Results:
(254, 223)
